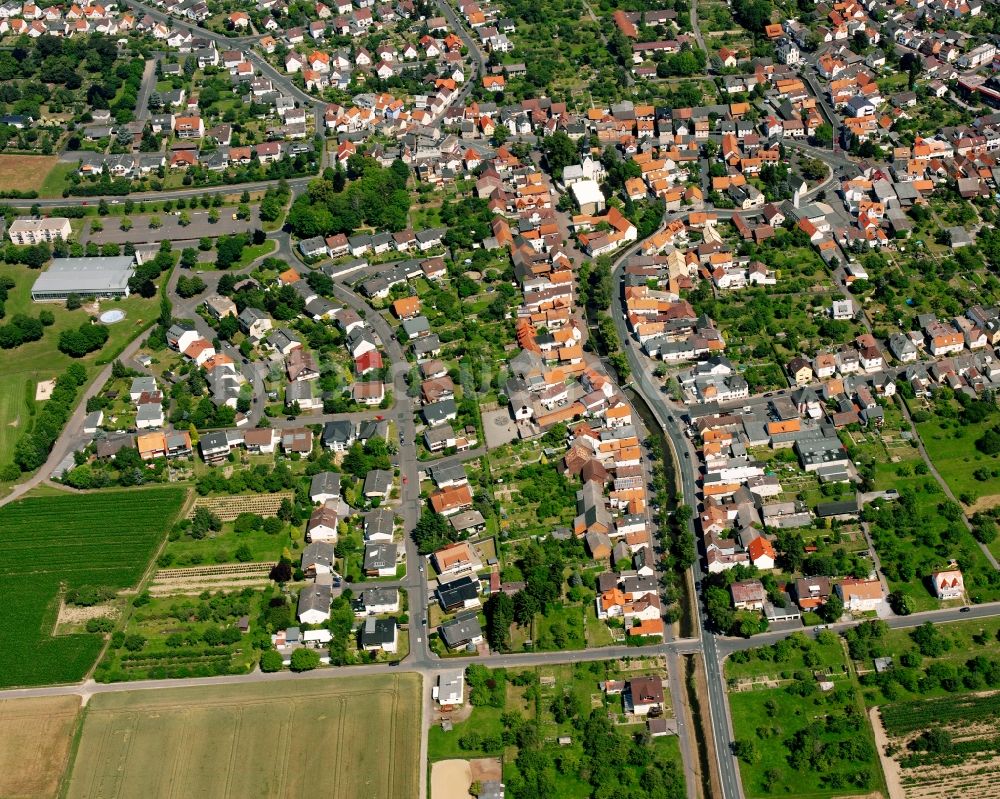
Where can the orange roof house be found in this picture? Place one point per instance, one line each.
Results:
(406, 307)
(451, 499)
(151, 445)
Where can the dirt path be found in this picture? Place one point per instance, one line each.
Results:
(889, 766)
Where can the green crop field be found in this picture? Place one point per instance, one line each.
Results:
(61, 542)
(343, 738)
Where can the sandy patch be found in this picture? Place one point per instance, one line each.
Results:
(984, 504)
(890, 767)
(73, 614)
(450, 779)
(44, 390)
(485, 769)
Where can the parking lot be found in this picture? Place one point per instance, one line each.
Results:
(171, 227)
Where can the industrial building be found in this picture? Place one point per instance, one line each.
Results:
(85, 277)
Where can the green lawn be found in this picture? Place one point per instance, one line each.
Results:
(221, 547)
(831, 725)
(779, 661)
(41, 360)
(907, 679)
(804, 742)
(17, 407)
(952, 448)
(57, 180)
(443, 745)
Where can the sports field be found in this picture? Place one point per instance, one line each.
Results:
(25, 172)
(35, 736)
(351, 738)
(68, 541)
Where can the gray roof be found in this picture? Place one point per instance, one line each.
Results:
(460, 631)
(426, 344)
(315, 597)
(380, 520)
(458, 592)
(323, 483)
(380, 556)
(338, 431)
(467, 520)
(141, 384)
(318, 553)
(149, 412)
(86, 275)
(416, 326)
(371, 597)
(211, 442)
(437, 412)
(377, 481)
(448, 473)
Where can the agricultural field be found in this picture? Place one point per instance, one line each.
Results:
(25, 172)
(36, 735)
(803, 731)
(552, 702)
(55, 543)
(301, 739)
(946, 746)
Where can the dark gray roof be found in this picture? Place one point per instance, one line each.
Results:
(460, 631)
(377, 481)
(457, 592)
(437, 412)
(378, 632)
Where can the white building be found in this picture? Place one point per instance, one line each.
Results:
(36, 231)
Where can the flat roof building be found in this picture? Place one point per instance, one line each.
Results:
(35, 231)
(85, 277)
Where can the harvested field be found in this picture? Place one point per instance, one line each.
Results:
(36, 735)
(303, 739)
(194, 580)
(228, 508)
(25, 172)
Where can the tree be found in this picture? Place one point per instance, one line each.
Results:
(525, 608)
(747, 751)
(431, 532)
(900, 603)
(281, 572)
(831, 610)
(560, 152)
(989, 443)
(271, 661)
(305, 660)
(499, 615)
